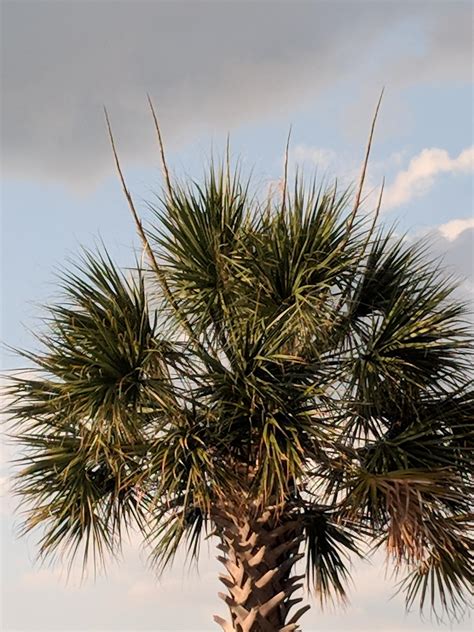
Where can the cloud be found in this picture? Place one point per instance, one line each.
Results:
(456, 227)
(207, 64)
(347, 168)
(429, 55)
(453, 245)
(422, 170)
(457, 252)
(451, 55)
(316, 156)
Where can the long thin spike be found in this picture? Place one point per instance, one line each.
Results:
(364, 166)
(227, 161)
(345, 294)
(146, 244)
(285, 172)
(164, 164)
(379, 202)
(376, 216)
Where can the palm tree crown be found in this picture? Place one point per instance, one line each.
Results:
(283, 369)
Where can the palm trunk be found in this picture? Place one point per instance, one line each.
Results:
(259, 554)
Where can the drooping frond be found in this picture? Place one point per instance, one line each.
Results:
(328, 550)
(444, 577)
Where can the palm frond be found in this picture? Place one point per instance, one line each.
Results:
(328, 548)
(199, 233)
(84, 419)
(444, 578)
(400, 506)
(172, 529)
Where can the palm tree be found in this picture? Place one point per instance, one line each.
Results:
(282, 376)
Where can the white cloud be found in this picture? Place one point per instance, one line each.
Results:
(455, 227)
(422, 170)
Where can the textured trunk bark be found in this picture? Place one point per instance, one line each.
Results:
(259, 554)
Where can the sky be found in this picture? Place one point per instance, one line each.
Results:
(250, 69)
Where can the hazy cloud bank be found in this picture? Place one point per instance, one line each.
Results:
(205, 63)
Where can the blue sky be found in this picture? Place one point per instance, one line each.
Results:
(251, 69)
